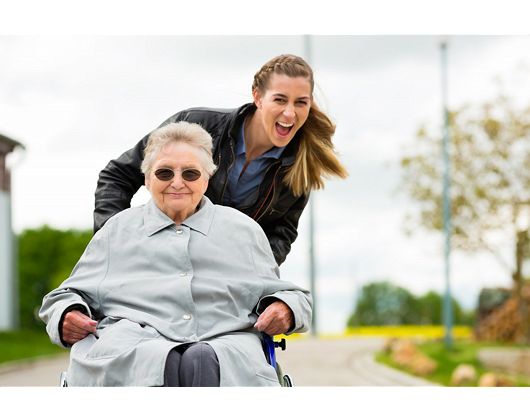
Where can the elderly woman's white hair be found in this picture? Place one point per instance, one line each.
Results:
(189, 133)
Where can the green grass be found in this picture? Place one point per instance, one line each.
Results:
(17, 345)
(463, 351)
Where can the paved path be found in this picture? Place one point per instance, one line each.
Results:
(340, 362)
(310, 362)
(39, 372)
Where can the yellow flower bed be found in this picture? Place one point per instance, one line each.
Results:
(423, 331)
(412, 331)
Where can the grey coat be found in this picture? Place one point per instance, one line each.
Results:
(153, 285)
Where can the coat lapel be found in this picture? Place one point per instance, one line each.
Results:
(155, 219)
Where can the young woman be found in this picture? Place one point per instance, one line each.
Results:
(270, 154)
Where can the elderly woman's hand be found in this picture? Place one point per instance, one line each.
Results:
(276, 319)
(77, 326)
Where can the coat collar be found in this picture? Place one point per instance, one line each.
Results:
(155, 219)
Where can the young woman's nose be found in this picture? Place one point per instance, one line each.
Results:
(289, 111)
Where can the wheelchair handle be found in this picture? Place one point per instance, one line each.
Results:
(269, 346)
(281, 344)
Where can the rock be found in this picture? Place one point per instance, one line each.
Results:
(406, 354)
(504, 382)
(491, 379)
(464, 374)
(423, 365)
(487, 379)
(389, 344)
(403, 351)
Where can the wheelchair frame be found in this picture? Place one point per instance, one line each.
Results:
(269, 348)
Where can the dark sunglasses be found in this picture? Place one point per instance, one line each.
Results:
(165, 174)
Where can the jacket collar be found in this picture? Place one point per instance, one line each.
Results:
(155, 219)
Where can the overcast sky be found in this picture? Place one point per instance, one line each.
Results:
(76, 102)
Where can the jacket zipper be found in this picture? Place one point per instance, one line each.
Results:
(259, 188)
(272, 199)
(228, 170)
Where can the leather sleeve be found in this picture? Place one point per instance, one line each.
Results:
(117, 184)
(121, 179)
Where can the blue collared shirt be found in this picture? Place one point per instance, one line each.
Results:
(242, 186)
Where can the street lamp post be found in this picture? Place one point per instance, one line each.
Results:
(312, 264)
(448, 307)
(9, 306)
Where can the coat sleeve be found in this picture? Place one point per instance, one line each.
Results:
(298, 299)
(79, 291)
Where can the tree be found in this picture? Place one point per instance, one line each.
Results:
(430, 306)
(383, 303)
(490, 184)
(46, 258)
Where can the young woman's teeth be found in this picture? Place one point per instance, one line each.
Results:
(283, 129)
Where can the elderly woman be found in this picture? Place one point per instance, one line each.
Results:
(175, 292)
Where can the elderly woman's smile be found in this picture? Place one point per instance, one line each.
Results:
(179, 196)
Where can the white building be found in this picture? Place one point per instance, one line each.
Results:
(8, 254)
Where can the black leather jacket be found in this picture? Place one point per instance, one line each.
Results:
(274, 206)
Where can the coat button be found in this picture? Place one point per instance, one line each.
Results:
(187, 317)
(183, 274)
(179, 231)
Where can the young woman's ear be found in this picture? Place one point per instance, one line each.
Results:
(257, 98)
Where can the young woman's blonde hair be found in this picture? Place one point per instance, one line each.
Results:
(316, 157)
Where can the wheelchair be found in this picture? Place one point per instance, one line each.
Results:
(269, 348)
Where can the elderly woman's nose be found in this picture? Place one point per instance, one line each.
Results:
(177, 180)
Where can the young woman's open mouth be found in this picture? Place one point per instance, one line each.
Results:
(283, 129)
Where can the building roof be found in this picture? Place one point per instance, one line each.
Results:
(7, 145)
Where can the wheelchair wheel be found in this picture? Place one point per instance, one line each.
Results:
(279, 374)
(63, 383)
(285, 380)
(288, 381)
